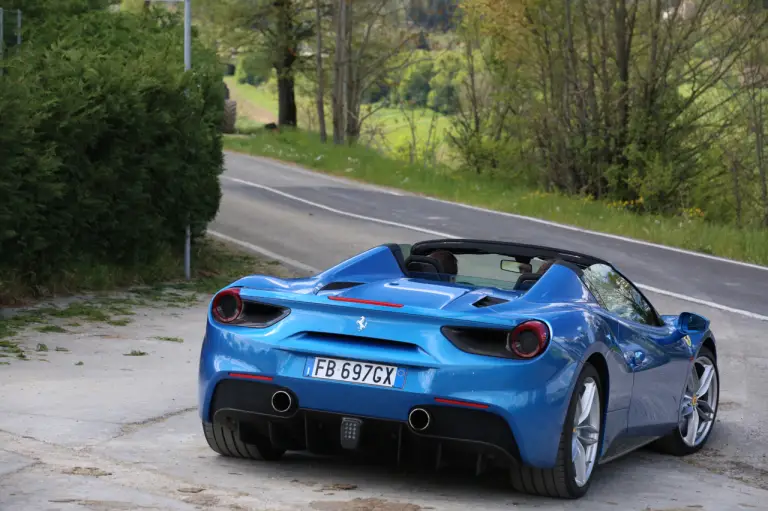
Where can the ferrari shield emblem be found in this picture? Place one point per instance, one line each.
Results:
(687, 340)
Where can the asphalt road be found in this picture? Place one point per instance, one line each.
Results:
(730, 284)
(122, 433)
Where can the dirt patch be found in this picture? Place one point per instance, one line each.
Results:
(248, 110)
(87, 471)
(339, 487)
(364, 505)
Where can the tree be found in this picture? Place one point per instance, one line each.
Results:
(623, 96)
(276, 28)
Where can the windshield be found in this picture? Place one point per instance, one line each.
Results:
(486, 270)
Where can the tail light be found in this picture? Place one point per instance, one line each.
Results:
(526, 341)
(227, 305)
(229, 308)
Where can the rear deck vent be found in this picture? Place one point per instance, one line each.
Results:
(487, 301)
(335, 286)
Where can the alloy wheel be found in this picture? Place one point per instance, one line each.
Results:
(699, 404)
(586, 432)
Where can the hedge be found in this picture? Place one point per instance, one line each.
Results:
(107, 147)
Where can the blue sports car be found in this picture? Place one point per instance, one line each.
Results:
(538, 361)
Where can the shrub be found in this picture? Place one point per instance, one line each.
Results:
(107, 148)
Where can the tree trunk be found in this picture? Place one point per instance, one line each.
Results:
(286, 99)
(622, 63)
(286, 115)
(320, 81)
(339, 85)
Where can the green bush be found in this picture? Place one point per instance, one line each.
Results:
(253, 69)
(107, 148)
(414, 87)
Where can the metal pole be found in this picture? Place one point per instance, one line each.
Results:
(18, 27)
(187, 67)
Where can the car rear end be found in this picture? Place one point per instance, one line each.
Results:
(329, 373)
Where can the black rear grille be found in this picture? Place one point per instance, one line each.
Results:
(457, 435)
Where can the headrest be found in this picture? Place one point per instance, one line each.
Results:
(423, 264)
(526, 281)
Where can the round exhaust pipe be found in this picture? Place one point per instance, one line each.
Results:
(281, 401)
(419, 419)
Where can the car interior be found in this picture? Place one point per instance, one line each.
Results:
(498, 264)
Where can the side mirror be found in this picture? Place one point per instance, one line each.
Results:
(689, 323)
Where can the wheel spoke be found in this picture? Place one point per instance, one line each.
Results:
(705, 381)
(694, 380)
(693, 428)
(585, 403)
(706, 413)
(579, 461)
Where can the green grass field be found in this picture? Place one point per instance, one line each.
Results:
(365, 164)
(388, 130)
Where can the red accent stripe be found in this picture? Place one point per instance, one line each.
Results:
(460, 403)
(368, 302)
(251, 376)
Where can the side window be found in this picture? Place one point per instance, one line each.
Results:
(617, 295)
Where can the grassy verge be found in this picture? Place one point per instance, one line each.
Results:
(106, 295)
(504, 195)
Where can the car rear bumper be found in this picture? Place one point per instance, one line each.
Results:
(513, 410)
(470, 433)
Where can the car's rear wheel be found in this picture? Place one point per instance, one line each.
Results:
(227, 443)
(579, 445)
(698, 408)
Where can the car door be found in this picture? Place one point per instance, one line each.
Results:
(656, 353)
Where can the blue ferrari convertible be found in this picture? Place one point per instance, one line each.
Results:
(538, 361)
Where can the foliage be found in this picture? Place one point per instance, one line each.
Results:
(444, 87)
(624, 100)
(107, 148)
(253, 69)
(433, 14)
(414, 87)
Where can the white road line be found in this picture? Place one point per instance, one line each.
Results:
(314, 173)
(522, 217)
(686, 298)
(725, 308)
(264, 252)
(338, 211)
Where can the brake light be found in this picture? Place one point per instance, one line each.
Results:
(367, 302)
(227, 305)
(528, 339)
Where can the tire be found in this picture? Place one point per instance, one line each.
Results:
(225, 442)
(560, 481)
(230, 116)
(673, 443)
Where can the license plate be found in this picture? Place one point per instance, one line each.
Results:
(352, 371)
